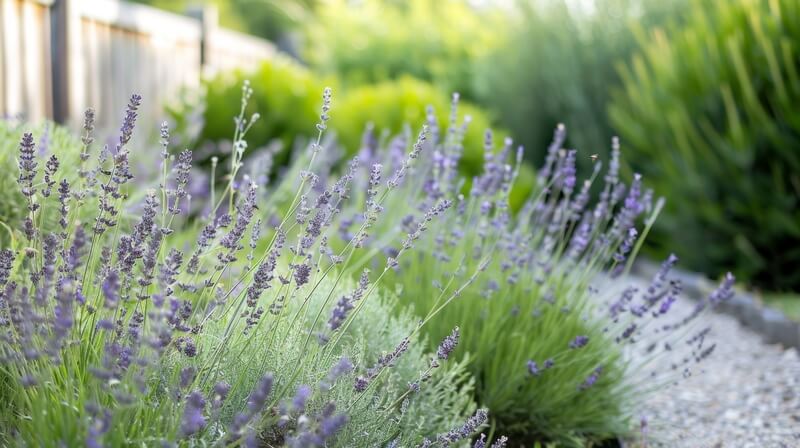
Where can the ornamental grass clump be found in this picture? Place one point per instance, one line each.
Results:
(138, 326)
(549, 327)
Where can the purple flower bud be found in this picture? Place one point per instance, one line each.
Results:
(111, 289)
(193, 420)
(187, 376)
(464, 431)
(301, 274)
(329, 426)
(27, 169)
(579, 341)
(591, 379)
(448, 345)
(724, 291)
(301, 397)
(533, 369)
(6, 263)
(259, 395)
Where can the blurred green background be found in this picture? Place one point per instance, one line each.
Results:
(704, 94)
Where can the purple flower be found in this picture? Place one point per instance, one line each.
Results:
(415, 151)
(343, 367)
(567, 175)
(500, 443)
(101, 423)
(27, 169)
(301, 397)
(591, 379)
(329, 426)
(630, 210)
(187, 376)
(533, 369)
(88, 127)
(629, 331)
(660, 277)
(189, 348)
(182, 169)
(129, 121)
(6, 263)
(258, 397)
(327, 93)
(464, 431)
(559, 135)
(193, 420)
(232, 239)
(724, 291)
(672, 296)
(622, 253)
(374, 182)
(301, 274)
(579, 341)
(384, 361)
(448, 345)
(339, 312)
(265, 273)
(50, 169)
(110, 289)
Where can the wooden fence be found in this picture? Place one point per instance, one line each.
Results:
(58, 57)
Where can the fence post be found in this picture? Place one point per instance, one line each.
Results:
(208, 16)
(67, 63)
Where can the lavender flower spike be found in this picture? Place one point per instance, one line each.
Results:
(6, 263)
(448, 345)
(259, 396)
(579, 341)
(724, 291)
(465, 431)
(533, 368)
(193, 420)
(27, 168)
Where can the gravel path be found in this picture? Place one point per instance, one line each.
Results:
(746, 394)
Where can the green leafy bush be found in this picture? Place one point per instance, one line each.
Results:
(437, 41)
(285, 97)
(709, 112)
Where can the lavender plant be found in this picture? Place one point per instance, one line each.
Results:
(50, 140)
(547, 322)
(141, 327)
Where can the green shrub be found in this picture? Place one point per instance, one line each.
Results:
(285, 97)
(391, 105)
(557, 66)
(710, 112)
(437, 41)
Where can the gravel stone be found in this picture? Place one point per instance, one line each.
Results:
(745, 394)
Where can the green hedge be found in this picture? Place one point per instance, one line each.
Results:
(438, 41)
(709, 112)
(287, 95)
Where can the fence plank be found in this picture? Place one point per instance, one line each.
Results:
(57, 58)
